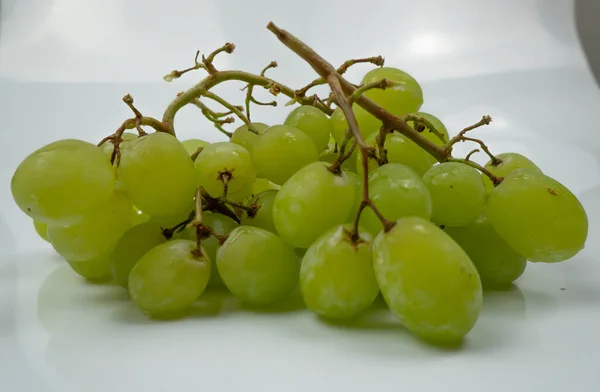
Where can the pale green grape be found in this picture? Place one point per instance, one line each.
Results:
(404, 97)
(357, 181)
(348, 165)
(63, 181)
(192, 145)
(221, 157)
(427, 280)
(95, 270)
(511, 161)
(497, 263)
(457, 193)
(222, 225)
(108, 146)
(97, 234)
(158, 176)
(169, 278)
(439, 126)
(134, 243)
(280, 151)
(241, 194)
(261, 185)
(257, 266)
(367, 124)
(397, 191)
(42, 230)
(312, 201)
(538, 216)
(264, 215)
(313, 123)
(336, 277)
(245, 138)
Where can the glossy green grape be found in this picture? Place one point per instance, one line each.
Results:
(457, 193)
(257, 266)
(158, 176)
(134, 243)
(264, 216)
(367, 124)
(192, 145)
(97, 234)
(427, 280)
(108, 146)
(169, 278)
(245, 138)
(439, 126)
(405, 96)
(511, 161)
(224, 157)
(62, 181)
(357, 181)
(95, 270)
(313, 122)
(41, 229)
(280, 151)
(312, 201)
(337, 279)
(397, 191)
(538, 216)
(498, 264)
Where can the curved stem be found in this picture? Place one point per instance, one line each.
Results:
(495, 179)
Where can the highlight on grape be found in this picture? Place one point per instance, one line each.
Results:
(356, 194)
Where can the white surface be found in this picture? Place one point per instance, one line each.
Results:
(65, 64)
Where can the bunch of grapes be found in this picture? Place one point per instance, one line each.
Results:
(345, 203)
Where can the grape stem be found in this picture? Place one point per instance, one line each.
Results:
(495, 179)
(128, 99)
(418, 120)
(195, 154)
(168, 233)
(197, 222)
(237, 110)
(213, 117)
(380, 139)
(381, 84)
(250, 89)
(217, 205)
(471, 154)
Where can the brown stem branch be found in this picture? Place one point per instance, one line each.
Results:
(381, 84)
(485, 120)
(470, 154)
(175, 74)
(426, 123)
(495, 179)
(208, 61)
(495, 161)
(235, 109)
(212, 117)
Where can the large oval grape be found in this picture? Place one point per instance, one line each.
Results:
(405, 96)
(62, 181)
(510, 161)
(311, 202)
(427, 280)
(313, 122)
(538, 216)
(337, 279)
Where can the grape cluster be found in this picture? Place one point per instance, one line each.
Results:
(344, 215)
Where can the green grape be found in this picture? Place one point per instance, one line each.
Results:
(169, 278)
(264, 215)
(241, 194)
(312, 201)
(134, 243)
(457, 193)
(260, 185)
(158, 176)
(348, 165)
(222, 225)
(59, 183)
(245, 138)
(404, 97)
(108, 146)
(336, 277)
(538, 216)
(497, 263)
(367, 124)
(222, 157)
(42, 230)
(427, 280)
(357, 181)
(192, 145)
(397, 191)
(313, 123)
(95, 270)
(281, 151)
(511, 161)
(400, 149)
(97, 234)
(257, 266)
(439, 126)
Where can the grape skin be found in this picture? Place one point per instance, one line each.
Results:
(192, 145)
(511, 161)
(406, 96)
(41, 229)
(96, 270)
(538, 216)
(313, 122)
(427, 280)
(264, 215)
(367, 124)
(245, 138)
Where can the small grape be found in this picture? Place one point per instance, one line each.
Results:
(497, 263)
(108, 146)
(397, 191)
(280, 151)
(96, 270)
(42, 230)
(257, 266)
(169, 278)
(158, 176)
(427, 280)
(134, 243)
(226, 158)
(245, 138)
(337, 279)
(264, 216)
(538, 216)
(312, 201)
(192, 145)
(59, 183)
(511, 161)
(97, 234)
(367, 124)
(439, 126)
(457, 193)
(313, 122)
(404, 97)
